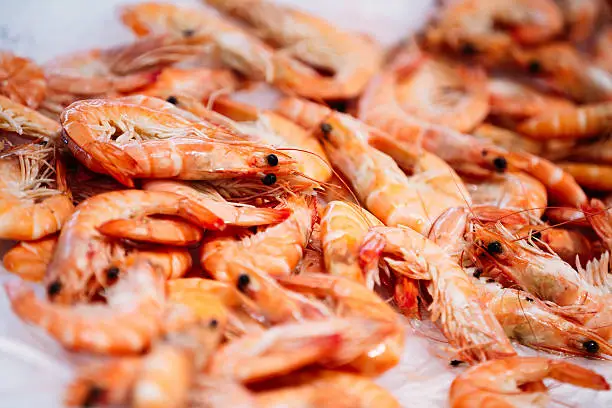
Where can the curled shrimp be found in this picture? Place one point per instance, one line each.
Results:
(531, 322)
(25, 122)
(21, 80)
(130, 321)
(207, 196)
(277, 131)
(351, 58)
(457, 305)
(129, 141)
(499, 382)
(83, 256)
(33, 198)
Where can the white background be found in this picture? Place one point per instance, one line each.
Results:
(33, 369)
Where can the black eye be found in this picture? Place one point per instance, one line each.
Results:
(326, 128)
(268, 179)
(213, 324)
(188, 33)
(243, 281)
(529, 299)
(455, 363)
(477, 273)
(172, 100)
(534, 67)
(112, 273)
(93, 396)
(54, 288)
(500, 163)
(495, 248)
(64, 138)
(591, 346)
(272, 160)
(468, 49)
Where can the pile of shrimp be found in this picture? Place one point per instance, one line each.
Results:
(209, 253)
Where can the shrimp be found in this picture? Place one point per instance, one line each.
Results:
(29, 259)
(570, 244)
(275, 130)
(351, 299)
(251, 262)
(386, 191)
(343, 227)
(489, 28)
(288, 347)
(580, 17)
(351, 58)
(128, 324)
(582, 122)
(104, 383)
(564, 69)
(510, 190)
(20, 119)
(173, 146)
(499, 382)
(232, 214)
(21, 80)
(198, 83)
(512, 99)
(34, 202)
(83, 256)
(531, 322)
(165, 231)
(596, 177)
(457, 305)
(323, 388)
(442, 92)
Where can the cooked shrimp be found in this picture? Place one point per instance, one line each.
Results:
(29, 259)
(321, 388)
(173, 146)
(20, 119)
(511, 98)
(442, 92)
(21, 80)
(457, 305)
(499, 382)
(531, 322)
(275, 130)
(33, 200)
(105, 383)
(288, 347)
(351, 299)
(570, 244)
(582, 122)
(564, 69)
(128, 324)
(489, 28)
(343, 227)
(82, 258)
(511, 190)
(251, 261)
(198, 83)
(351, 58)
(596, 177)
(165, 231)
(207, 196)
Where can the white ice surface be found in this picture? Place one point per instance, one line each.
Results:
(34, 369)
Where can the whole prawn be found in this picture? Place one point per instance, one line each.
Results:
(21, 80)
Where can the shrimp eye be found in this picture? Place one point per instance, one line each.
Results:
(477, 273)
(495, 248)
(500, 163)
(534, 67)
(54, 288)
(272, 159)
(455, 363)
(112, 273)
(213, 324)
(268, 179)
(529, 299)
(93, 396)
(172, 99)
(468, 49)
(591, 346)
(326, 128)
(64, 138)
(339, 106)
(243, 281)
(188, 33)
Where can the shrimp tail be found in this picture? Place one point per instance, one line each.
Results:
(200, 215)
(158, 231)
(117, 163)
(576, 375)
